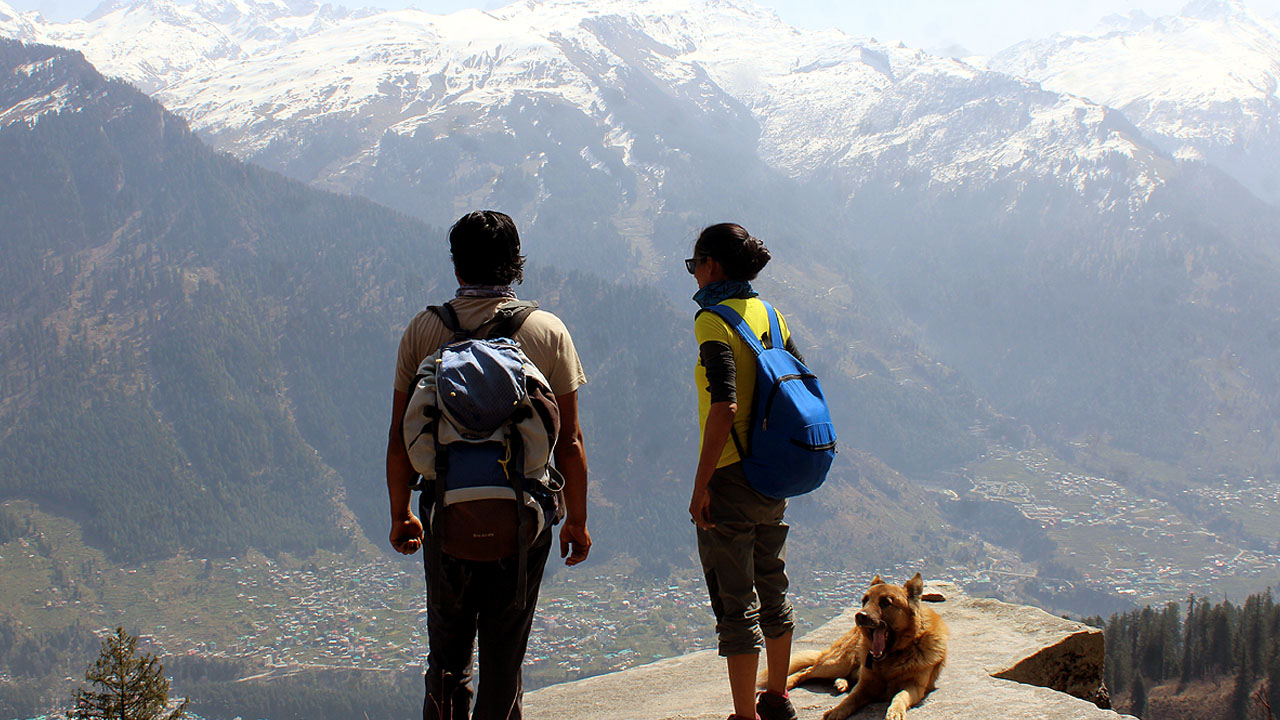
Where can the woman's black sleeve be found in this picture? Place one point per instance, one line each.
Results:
(722, 374)
(791, 348)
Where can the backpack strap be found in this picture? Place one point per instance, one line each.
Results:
(775, 327)
(505, 322)
(509, 319)
(449, 317)
(515, 457)
(740, 326)
(736, 322)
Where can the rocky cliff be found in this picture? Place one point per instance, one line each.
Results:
(1004, 662)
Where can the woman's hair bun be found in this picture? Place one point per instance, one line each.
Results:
(741, 254)
(756, 254)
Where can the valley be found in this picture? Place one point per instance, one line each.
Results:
(1133, 540)
(286, 617)
(1048, 332)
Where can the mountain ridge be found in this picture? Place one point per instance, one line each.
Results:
(1203, 84)
(966, 253)
(289, 281)
(377, 64)
(951, 216)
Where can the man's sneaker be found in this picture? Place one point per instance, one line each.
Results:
(772, 706)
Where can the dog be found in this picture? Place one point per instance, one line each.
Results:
(894, 652)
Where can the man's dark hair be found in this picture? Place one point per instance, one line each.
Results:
(485, 248)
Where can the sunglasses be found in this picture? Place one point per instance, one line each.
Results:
(691, 263)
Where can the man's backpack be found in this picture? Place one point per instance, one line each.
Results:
(479, 428)
(792, 441)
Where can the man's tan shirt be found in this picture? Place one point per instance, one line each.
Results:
(543, 337)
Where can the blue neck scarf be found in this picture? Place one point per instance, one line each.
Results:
(721, 290)
(485, 291)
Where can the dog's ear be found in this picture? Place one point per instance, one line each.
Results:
(914, 587)
(876, 580)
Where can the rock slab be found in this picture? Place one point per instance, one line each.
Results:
(1005, 662)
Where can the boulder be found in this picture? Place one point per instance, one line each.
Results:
(1004, 662)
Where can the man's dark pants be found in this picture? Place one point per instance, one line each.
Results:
(468, 597)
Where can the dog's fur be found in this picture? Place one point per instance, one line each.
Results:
(894, 652)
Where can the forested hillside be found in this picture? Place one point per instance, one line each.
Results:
(973, 260)
(1209, 661)
(196, 358)
(192, 346)
(1079, 275)
(147, 325)
(197, 353)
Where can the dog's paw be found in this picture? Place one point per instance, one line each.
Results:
(842, 685)
(835, 713)
(895, 713)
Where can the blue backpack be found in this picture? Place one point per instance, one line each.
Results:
(792, 440)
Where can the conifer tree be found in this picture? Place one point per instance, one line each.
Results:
(1241, 695)
(1138, 705)
(129, 686)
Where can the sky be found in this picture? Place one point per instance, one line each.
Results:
(957, 27)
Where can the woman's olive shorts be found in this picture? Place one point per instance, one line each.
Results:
(744, 560)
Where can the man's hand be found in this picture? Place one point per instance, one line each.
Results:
(406, 535)
(406, 529)
(575, 542)
(700, 509)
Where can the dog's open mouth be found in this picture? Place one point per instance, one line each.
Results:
(879, 642)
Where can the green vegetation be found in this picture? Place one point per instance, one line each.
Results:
(195, 369)
(1233, 644)
(325, 695)
(913, 429)
(33, 658)
(1156, 333)
(9, 526)
(201, 354)
(289, 622)
(125, 685)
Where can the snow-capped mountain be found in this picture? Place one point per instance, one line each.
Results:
(61, 88)
(828, 102)
(251, 74)
(17, 25)
(156, 43)
(633, 99)
(1204, 84)
(994, 210)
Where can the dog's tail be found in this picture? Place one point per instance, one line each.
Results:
(802, 660)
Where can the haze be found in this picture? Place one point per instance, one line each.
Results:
(967, 28)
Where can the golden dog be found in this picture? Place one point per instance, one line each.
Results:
(894, 652)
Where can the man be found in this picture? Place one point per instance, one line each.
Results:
(466, 597)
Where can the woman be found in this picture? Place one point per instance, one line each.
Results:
(741, 535)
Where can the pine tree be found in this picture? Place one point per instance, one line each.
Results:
(1241, 696)
(131, 687)
(1138, 705)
